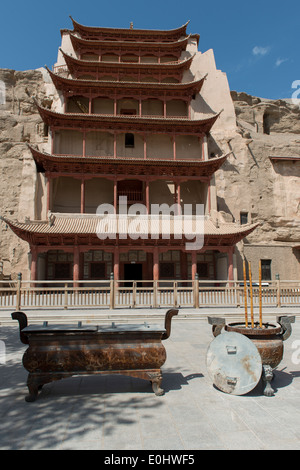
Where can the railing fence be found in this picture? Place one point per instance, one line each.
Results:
(114, 294)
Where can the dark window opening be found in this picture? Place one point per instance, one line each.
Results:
(128, 112)
(202, 270)
(129, 140)
(46, 130)
(62, 271)
(266, 124)
(97, 270)
(243, 218)
(133, 272)
(266, 270)
(167, 270)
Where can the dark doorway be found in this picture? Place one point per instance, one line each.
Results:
(133, 272)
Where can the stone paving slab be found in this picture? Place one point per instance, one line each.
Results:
(122, 413)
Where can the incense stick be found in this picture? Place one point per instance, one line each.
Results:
(245, 293)
(251, 296)
(260, 297)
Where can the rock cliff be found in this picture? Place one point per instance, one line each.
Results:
(20, 124)
(251, 180)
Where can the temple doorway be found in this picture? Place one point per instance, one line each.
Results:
(133, 272)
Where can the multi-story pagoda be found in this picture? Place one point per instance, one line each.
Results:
(130, 120)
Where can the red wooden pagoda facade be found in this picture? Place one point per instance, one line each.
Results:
(126, 127)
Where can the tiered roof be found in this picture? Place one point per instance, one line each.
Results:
(184, 90)
(82, 229)
(125, 123)
(97, 46)
(110, 166)
(173, 70)
(131, 34)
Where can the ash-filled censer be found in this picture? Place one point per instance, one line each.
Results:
(241, 359)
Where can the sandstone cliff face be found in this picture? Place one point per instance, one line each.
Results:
(20, 124)
(250, 181)
(268, 190)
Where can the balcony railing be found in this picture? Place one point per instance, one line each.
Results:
(113, 294)
(132, 196)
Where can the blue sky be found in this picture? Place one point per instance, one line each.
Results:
(256, 43)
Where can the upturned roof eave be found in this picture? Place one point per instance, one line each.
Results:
(98, 42)
(58, 80)
(72, 61)
(156, 32)
(187, 125)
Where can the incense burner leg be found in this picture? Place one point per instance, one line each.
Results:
(156, 380)
(33, 387)
(35, 384)
(267, 377)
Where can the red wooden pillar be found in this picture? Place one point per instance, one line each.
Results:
(33, 267)
(48, 193)
(65, 103)
(116, 263)
(194, 264)
(230, 263)
(155, 264)
(189, 105)
(76, 264)
(84, 144)
(147, 197)
(209, 197)
(174, 147)
(52, 141)
(115, 145)
(82, 197)
(145, 146)
(115, 195)
(178, 198)
(201, 148)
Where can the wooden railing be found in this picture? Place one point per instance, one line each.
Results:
(112, 294)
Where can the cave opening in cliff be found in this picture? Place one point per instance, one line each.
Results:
(266, 124)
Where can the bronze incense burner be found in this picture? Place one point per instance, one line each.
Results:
(59, 351)
(268, 339)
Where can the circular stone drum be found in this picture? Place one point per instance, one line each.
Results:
(233, 363)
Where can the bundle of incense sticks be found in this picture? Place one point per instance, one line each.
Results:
(251, 296)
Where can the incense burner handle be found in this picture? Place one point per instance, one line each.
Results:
(285, 323)
(217, 324)
(168, 318)
(22, 319)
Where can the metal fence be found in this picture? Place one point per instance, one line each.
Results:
(114, 294)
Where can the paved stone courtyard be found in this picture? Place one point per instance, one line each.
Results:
(122, 413)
